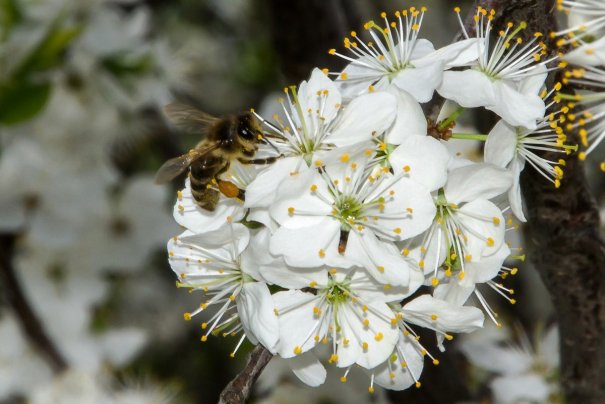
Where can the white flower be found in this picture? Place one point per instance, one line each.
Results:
(467, 226)
(456, 290)
(315, 123)
(525, 373)
(505, 79)
(406, 144)
(511, 147)
(588, 118)
(396, 56)
(127, 227)
(404, 366)
(350, 310)
(350, 219)
(586, 25)
(219, 264)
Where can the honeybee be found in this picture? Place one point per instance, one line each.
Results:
(224, 139)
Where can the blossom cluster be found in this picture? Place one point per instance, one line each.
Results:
(582, 45)
(367, 226)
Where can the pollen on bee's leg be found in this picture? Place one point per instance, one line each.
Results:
(229, 189)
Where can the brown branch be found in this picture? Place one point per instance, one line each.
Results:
(28, 321)
(239, 389)
(566, 248)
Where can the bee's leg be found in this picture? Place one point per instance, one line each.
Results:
(268, 160)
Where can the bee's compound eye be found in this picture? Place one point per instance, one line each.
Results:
(243, 128)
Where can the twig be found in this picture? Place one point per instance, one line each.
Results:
(238, 390)
(29, 322)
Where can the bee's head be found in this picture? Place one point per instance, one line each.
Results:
(248, 127)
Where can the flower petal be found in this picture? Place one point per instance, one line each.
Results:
(469, 88)
(366, 115)
(410, 119)
(516, 108)
(189, 214)
(501, 144)
(262, 191)
(255, 308)
(426, 158)
(404, 370)
(476, 181)
(368, 345)
(427, 311)
(310, 247)
(420, 81)
(308, 369)
(298, 325)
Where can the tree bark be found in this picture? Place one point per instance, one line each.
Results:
(239, 389)
(565, 245)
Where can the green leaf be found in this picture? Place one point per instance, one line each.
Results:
(49, 51)
(123, 64)
(10, 14)
(21, 100)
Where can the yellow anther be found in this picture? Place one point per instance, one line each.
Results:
(291, 210)
(490, 242)
(435, 362)
(434, 281)
(380, 268)
(496, 220)
(397, 230)
(204, 338)
(297, 350)
(187, 316)
(343, 379)
(365, 346)
(405, 252)
(333, 358)
(322, 253)
(421, 264)
(379, 336)
(332, 51)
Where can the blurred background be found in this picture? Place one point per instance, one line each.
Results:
(89, 311)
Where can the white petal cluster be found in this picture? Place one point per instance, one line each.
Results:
(365, 228)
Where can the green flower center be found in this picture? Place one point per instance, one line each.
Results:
(338, 292)
(348, 210)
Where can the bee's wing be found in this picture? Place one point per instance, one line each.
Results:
(175, 166)
(188, 118)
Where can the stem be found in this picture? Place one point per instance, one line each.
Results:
(445, 123)
(239, 389)
(470, 136)
(29, 322)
